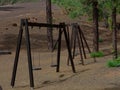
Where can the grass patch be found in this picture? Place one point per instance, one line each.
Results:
(114, 62)
(97, 54)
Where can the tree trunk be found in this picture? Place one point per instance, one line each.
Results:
(114, 31)
(95, 27)
(49, 21)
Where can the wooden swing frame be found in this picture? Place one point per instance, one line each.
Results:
(24, 23)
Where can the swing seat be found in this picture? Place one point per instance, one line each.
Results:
(4, 52)
(54, 65)
(37, 68)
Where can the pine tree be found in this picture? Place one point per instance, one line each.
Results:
(49, 21)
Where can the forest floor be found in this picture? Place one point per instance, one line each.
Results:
(91, 76)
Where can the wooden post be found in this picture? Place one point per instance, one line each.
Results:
(17, 53)
(27, 36)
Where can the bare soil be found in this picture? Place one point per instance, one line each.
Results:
(91, 76)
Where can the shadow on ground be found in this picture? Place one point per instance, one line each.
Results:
(1, 88)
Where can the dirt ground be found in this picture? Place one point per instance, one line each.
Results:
(91, 76)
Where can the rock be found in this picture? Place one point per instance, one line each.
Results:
(14, 24)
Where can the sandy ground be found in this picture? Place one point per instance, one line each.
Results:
(91, 76)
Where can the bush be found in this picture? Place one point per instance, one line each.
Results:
(114, 62)
(74, 8)
(97, 54)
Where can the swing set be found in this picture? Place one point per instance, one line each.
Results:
(24, 26)
(78, 41)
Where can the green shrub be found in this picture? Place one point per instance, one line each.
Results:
(114, 62)
(74, 8)
(97, 54)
